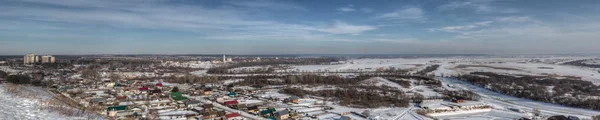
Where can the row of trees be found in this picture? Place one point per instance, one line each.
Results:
(582, 64)
(461, 95)
(428, 69)
(566, 91)
(354, 98)
(303, 61)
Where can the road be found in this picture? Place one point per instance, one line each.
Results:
(409, 114)
(242, 113)
(506, 101)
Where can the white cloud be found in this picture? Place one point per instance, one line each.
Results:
(349, 8)
(409, 13)
(516, 19)
(269, 5)
(479, 6)
(343, 28)
(463, 27)
(366, 10)
(215, 23)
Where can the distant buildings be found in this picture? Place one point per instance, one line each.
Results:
(225, 59)
(48, 59)
(31, 58)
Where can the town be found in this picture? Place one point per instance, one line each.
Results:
(220, 87)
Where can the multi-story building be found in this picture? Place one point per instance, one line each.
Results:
(29, 58)
(47, 59)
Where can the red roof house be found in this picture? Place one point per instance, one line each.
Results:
(232, 115)
(233, 102)
(144, 89)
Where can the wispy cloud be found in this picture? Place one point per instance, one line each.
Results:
(220, 23)
(463, 27)
(343, 28)
(408, 13)
(269, 5)
(479, 6)
(349, 8)
(476, 25)
(352, 8)
(516, 19)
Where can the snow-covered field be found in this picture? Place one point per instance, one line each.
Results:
(515, 66)
(365, 65)
(501, 103)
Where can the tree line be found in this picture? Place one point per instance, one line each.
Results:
(303, 61)
(428, 69)
(582, 63)
(354, 98)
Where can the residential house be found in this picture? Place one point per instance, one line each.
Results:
(177, 96)
(345, 118)
(282, 115)
(268, 112)
(558, 117)
(208, 91)
(207, 107)
(144, 90)
(113, 110)
(232, 94)
(232, 103)
(192, 103)
(99, 101)
(253, 109)
(233, 116)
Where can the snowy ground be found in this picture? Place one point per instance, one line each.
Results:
(501, 103)
(366, 65)
(16, 108)
(9, 70)
(515, 66)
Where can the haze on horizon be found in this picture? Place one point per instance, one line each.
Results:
(299, 27)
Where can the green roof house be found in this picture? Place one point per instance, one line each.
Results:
(232, 94)
(176, 96)
(117, 108)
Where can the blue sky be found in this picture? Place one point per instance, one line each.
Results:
(299, 27)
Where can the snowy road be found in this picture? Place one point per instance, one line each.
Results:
(501, 100)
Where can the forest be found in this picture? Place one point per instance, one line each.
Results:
(565, 91)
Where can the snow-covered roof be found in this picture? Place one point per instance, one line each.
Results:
(175, 113)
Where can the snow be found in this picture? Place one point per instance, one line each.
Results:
(227, 82)
(275, 94)
(17, 108)
(329, 116)
(449, 67)
(487, 115)
(250, 101)
(364, 65)
(177, 113)
(502, 102)
(199, 72)
(309, 110)
(9, 70)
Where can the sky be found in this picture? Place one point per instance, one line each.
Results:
(74, 27)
